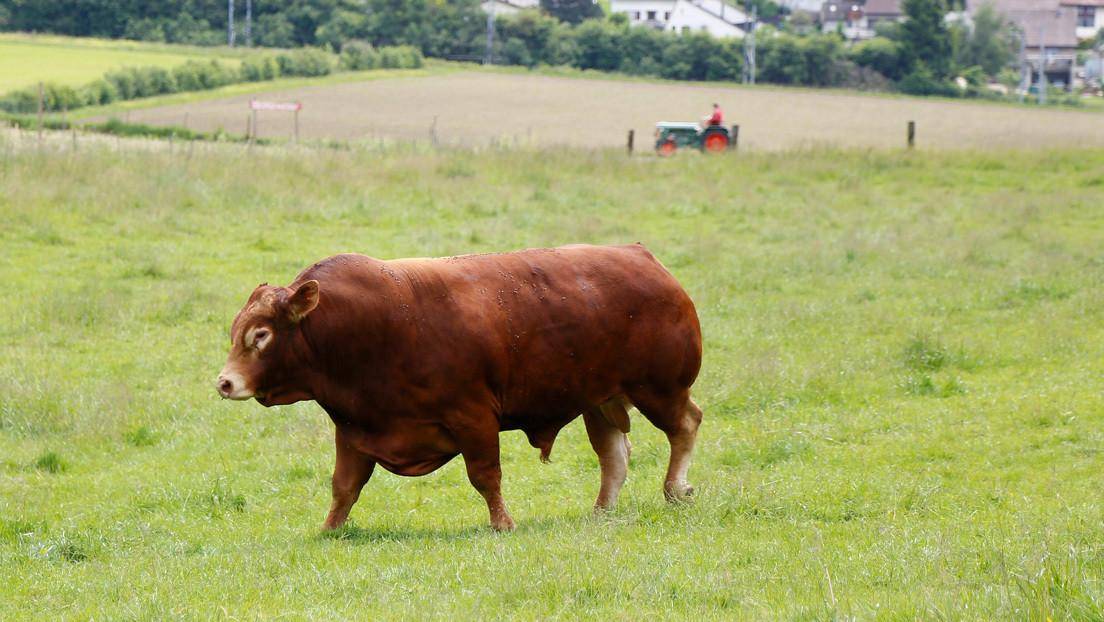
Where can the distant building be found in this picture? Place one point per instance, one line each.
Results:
(1090, 16)
(856, 19)
(507, 7)
(1048, 31)
(716, 17)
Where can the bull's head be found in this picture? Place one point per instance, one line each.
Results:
(267, 346)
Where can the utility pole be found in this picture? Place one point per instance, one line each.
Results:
(230, 23)
(1025, 67)
(1042, 83)
(488, 54)
(749, 48)
(249, 23)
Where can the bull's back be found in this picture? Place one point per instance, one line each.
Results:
(569, 327)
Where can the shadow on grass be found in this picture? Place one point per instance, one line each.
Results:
(398, 533)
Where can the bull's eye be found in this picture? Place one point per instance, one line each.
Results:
(261, 337)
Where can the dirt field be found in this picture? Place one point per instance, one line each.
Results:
(477, 108)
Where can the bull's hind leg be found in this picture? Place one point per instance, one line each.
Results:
(606, 426)
(678, 417)
(351, 471)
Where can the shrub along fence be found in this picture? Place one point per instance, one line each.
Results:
(137, 82)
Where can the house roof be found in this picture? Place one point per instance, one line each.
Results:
(837, 10)
(1097, 3)
(1043, 22)
(883, 7)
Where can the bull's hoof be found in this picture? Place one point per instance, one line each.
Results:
(503, 525)
(678, 492)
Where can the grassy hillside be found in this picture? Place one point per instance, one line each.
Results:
(902, 389)
(29, 59)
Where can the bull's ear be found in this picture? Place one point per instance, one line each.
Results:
(303, 300)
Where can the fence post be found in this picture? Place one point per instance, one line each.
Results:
(735, 137)
(911, 134)
(632, 135)
(297, 106)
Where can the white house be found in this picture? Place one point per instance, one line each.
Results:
(856, 18)
(507, 7)
(1090, 16)
(717, 17)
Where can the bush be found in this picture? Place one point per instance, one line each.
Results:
(881, 55)
(258, 68)
(199, 76)
(515, 53)
(55, 97)
(400, 57)
(123, 81)
(357, 55)
(305, 62)
(157, 80)
(98, 92)
(922, 82)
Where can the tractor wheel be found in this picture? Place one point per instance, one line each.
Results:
(667, 148)
(715, 142)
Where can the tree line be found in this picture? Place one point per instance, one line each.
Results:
(920, 55)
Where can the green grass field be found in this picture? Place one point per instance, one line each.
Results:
(28, 59)
(902, 390)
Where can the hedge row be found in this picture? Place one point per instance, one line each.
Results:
(138, 82)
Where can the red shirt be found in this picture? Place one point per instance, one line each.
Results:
(717, 118)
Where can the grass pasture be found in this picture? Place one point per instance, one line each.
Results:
(28, 59)
(902, 388)
(471, 108)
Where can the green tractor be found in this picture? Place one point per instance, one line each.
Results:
(672, 136)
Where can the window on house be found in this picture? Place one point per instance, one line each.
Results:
(636, 16)
(651, 15)
(1086, 16)
(667, 16)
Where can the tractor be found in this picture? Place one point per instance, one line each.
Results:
(672, 136)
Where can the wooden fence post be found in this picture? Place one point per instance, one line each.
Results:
(297, 107)
(911, 134)
(632, 135)
(735, 137)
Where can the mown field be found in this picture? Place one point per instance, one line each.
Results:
(901, 387)
(27, 59)
(471, 108)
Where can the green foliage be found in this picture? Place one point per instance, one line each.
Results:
(882, 55)
(305, 62)
(200, 76)
(924, 38)
(989, 45)
(357, 55)
(921, 81)
(259, 68)
(572, 11)
(55, 97)
(400, 57)
(811, 60)
(50, 462)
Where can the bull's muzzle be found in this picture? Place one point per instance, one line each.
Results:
(231, 386)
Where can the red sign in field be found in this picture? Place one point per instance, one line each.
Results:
(287, 106)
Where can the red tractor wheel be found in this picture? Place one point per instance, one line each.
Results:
(715, 142)
(668, 148)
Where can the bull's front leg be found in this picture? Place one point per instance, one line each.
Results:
(352, 470)
(480, 448)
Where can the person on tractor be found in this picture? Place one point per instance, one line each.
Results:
(715, 119)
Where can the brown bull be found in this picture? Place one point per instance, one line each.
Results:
(419, 360)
